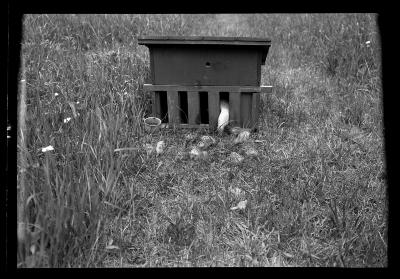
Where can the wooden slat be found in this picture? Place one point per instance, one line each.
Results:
(246, 109)
(153, 104)
(255, 108)
(266, 89)
(234, 108)
(193, 107)
(151, 87)
(201, 38)
(194, 126)
(173, 106)
(213, 109)
(243, 43)
(259, 62)
(152, 68)
(184, 126)
(156, 104)
(163, 40)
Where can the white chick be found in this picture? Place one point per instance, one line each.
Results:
(236, 158)
(242, 137)
(223, 117)
(160, 147)
(149, 148)
(250, 151)
(206, 141)
(197, 153)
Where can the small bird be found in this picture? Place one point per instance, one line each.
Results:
(236, 158)
(180, 234)
(236, 130)
(194, 153)
(250, 151)
(242, 137)
(197, 153)
(160, 147)
(190, 136)
(237, 192)
(206, 141)
(149, 149)
(223, 118)
(189, 139)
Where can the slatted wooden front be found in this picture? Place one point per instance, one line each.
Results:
(243, 104)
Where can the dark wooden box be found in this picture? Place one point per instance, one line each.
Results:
(191, 75)
(206, 60)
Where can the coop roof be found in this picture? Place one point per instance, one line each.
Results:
(263, 43)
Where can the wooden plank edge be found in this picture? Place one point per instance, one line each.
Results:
(256, 89)
(184, 126)
(266, 89)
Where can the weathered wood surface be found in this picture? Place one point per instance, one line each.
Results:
(266, 89)
(156, 109)
(246, 109)
(194, 107)
(255, 109)
(213, 108)
(241, 41)
(234, 108)
(250, 89)
(193, 126)
(173, 106)
(243, 104)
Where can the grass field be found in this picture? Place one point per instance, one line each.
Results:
(315, 190)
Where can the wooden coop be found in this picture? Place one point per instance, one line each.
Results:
(191, 75)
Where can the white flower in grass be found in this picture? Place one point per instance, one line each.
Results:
(66, 120)
(240, 205)
(56, 94)
(47, 148)
(111, 246)
(368, 43)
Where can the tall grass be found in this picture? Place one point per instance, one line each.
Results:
(89, 68)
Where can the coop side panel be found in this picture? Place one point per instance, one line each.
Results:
(205, 65)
